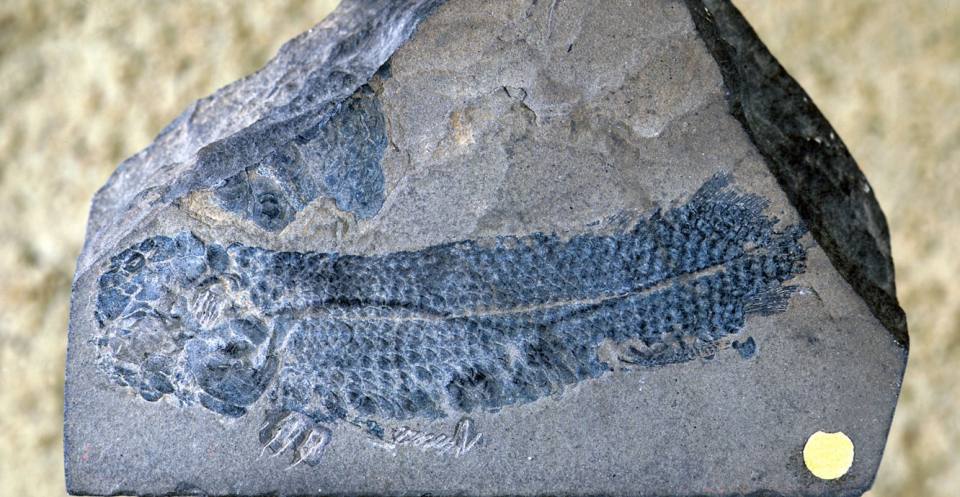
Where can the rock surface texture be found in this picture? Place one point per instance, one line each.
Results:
(488, 248)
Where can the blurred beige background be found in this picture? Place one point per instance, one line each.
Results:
(84, 84)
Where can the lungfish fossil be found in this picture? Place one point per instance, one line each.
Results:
(324, 338)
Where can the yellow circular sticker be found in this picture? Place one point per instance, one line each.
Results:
(828, 455)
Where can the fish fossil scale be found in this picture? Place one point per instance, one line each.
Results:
(447, 329)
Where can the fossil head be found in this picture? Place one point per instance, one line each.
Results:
(176, 319)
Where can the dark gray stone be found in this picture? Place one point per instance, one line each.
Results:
(809, 160)
(500, 248)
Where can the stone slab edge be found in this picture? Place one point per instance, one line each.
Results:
(808, 158)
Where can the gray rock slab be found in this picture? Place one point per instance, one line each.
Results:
(487, 248)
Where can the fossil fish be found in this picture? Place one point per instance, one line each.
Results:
(450, 329)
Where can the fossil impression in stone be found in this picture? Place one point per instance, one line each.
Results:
(498, 248)
(436, 332)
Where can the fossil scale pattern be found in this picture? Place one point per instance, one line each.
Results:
(446, 330)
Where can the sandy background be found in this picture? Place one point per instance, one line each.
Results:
(85, 84)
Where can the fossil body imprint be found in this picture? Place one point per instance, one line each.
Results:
(324, 338)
